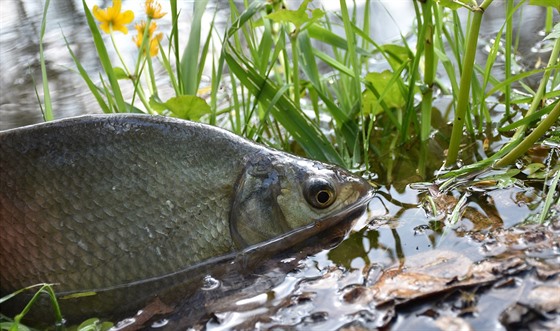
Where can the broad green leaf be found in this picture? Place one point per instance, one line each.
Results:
(390, 94)
(546, 3)
(297, 17)
(120, 73)
(13, 326)
(535, 170)
(157, 104)
(396, 54)
(189, 107)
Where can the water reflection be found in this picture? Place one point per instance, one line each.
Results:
(20, 66)
(414, 270)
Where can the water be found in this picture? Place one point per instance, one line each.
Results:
(435, 269)
(489, 270)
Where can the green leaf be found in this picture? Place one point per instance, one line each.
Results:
(396, 54)
(297, 17)
(189, 107)
(555, 33)
(456, 4)
(190, 67)
(78, 295)
(157, 104)
(546, 3)
(390, 93)
(330, 38)
(535, 170)
(94, 324)
(283, 109)
(503, 179)
(120, 73)
(47, 114)
(92, 87)
(13, 326)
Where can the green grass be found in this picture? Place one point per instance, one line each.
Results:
(279, 96)
(15, 323)
(46, 105)
(330, 105)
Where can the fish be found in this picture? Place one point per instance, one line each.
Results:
(113, 208)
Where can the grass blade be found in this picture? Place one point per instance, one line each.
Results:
(189, 63)
(92, 87)
(47, 113)
(105, 60)
(285, 111)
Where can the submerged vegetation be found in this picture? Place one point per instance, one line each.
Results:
(333, 103)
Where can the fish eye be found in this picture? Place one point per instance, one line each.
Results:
(319, 193)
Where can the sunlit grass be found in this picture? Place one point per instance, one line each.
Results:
(286, 92)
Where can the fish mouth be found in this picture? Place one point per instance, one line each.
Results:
(345, 217)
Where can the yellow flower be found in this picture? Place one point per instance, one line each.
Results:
(153, 40)
(112, 18)
(154, 44)
(153, 10)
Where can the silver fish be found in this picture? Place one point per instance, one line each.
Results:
(96, 203)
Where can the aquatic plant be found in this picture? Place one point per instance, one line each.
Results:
(279, 95)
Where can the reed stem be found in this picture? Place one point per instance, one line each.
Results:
(465, 83)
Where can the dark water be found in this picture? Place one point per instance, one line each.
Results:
(405, 266)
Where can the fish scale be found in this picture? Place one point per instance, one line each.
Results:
(139, 168)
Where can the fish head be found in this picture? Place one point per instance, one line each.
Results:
(278, 193)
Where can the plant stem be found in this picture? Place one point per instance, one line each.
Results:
(152, 75)
(549, 196)
(465, 83)
(508, 55)
(295, 63)
(47, 114)
(542, 86)
(118, 52)
(524, 146)
(429, 70)
(548, 21)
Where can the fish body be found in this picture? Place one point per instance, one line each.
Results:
(95, 203)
